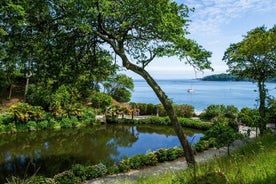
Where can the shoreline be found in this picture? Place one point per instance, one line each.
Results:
(161, 168)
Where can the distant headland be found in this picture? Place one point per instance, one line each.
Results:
(228, 77)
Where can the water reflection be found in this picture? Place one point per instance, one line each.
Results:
(49, 152)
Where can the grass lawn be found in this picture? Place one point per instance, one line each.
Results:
(254, 163)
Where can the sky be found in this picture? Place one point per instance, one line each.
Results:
(215, 25)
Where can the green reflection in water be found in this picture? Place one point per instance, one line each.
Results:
(51, 151)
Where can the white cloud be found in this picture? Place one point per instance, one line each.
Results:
(210, 14)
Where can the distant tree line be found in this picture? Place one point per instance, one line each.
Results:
(229, 77)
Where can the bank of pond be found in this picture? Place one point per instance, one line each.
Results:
(70, 149)
(94, 146)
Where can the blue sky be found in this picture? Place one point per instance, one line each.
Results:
(215, 25)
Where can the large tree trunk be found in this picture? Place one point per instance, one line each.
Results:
(262, 108)
(167, 103)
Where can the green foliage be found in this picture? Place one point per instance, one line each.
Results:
(212, 111)
(221, 114)
(88, 117)
(100, 100)
(212, 177)
(96, 171)
(184, 110)
(146, 109)
(66, 177)
(119, 86)
(140, 160)
(66, 123)
(258, 42)
(2, 128)
(32, 126)
(222, 134)
(155, 120)
(168, 154)
(10, 128)
(204, 144)
(255, 155)
(254, 58)
(194, 123)
(124, 165)
(41, 180)
(80, 171)
(121, 95)
(174, 153)
(161, 155)
(60, 101)
(114, 169)
(272, 110)
(24, 112)
(249, 117)
(220, 77)
(39, 95)
(6, 118)
(42, 125)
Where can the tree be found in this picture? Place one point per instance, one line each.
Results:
(44, 41)
(119, 86)
(223, 135)
(136, 31)
(140, 31)
(255, 58)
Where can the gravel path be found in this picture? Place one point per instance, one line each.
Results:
(176, 165)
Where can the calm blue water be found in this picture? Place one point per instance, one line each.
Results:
(50, 152)
(205, 93)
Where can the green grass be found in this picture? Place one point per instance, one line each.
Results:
(254, 163)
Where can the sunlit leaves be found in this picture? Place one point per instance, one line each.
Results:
(255, 56)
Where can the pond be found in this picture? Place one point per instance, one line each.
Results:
(52, 151)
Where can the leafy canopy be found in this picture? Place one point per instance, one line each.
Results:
(255, 56)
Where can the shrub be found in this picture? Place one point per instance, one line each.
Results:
(88, 117)
(249, 117)
(223, 135)
(57, 125)
(31, 125)
(137, 161)
(146, 109)
(2, 128)
(174, 153)
(151, 159)
(60, 101)
(41, 180)
(212, 111)
(193, 123)
(100, 100)
(39, 95)
(168, 154)
(24, 112)
(42, 124)
(96, 171)
(79, 171)
(161, 155)
(6, 118)
(113, 169)
(184, 110)
(124, 165)
(51, 122)
(66, 123)
(67, 177)
(10, 128)
(202, 145)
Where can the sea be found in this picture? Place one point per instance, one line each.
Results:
(201, 94)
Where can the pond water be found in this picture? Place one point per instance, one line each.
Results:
(53, 151)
